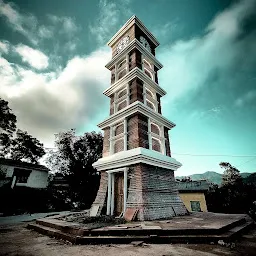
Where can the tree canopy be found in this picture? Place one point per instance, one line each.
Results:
(17, 144)
(231, 174)
(73, 159)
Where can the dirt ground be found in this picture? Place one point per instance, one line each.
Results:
(16, 240)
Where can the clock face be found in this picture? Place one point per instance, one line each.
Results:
(122, 44)
(145, 43)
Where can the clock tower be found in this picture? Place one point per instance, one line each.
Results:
(137, 170)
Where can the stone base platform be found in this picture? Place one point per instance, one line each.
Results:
(195, 228)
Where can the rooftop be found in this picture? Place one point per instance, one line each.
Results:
(17, 163)
(196, 185)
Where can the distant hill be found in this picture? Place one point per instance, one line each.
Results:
(213, 177)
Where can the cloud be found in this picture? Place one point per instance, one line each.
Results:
(111, 14)
(34, 58)
(45, 32)
(4, 47)
(27, 24)
(248, 97)
(189, 65)
(24, 24)
(164, 30)
(68, 24)
(50, 102)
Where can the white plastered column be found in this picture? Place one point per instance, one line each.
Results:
(125, 134)
(149, 134)
(109, 193)
(163, 141)
(125, 187)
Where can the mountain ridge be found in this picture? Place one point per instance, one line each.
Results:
(211, 176)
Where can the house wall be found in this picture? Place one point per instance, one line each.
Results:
(193, 196)
(36, 179)
(8, 170)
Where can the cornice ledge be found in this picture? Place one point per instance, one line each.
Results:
(134, 44)
(135, 156)
(136, 72)
(133, 108)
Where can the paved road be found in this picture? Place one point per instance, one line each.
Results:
(27, 217)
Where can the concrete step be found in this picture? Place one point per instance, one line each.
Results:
(153, 239)
(51, 232)
(63, 226)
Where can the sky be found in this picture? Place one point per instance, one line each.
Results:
(52, 71)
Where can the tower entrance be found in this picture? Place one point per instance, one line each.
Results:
(119, 193)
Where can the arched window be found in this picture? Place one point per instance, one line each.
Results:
(150, 105)
(121, 64)
(156, 145)
(147, 64)
(121, 93)
(149, 93)
(121, 73)
(121, 105)
(119, 145)
(148, 73)
(119, 129)
(155, 129)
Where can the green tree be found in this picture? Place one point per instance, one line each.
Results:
(231, 175)
(26, 148)
(17, 145)
(7, 126)
(73, 159)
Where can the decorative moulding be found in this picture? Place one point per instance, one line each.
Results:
(134, 44)
(136, 107)
(136, 156)
(136, 72)
(133, 20)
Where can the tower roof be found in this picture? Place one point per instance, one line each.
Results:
(133, 20)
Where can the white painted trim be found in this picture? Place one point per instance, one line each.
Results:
(135, 156)
(128, 24)
(125, 188)
(149, 134)
(111, 190)
(112, 193)
(111, 143)
(134, 44)
(136, 107)
(135, 73)
(109, 194)
(125, 134)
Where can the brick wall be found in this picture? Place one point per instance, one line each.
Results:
(167, 142)
(135, 59)
(112, 98)
(153, 191)
(156, 74)
(101, 197)
(137, 129)
(158, 97)
(136, 90)
(106, 142)
(112, 75)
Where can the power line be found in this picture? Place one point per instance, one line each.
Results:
(204, 155)
(246, 162)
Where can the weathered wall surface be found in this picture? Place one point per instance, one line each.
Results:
(193, 196)
(153, 191)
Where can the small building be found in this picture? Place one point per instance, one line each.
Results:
(21, 174)
(192, 193)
